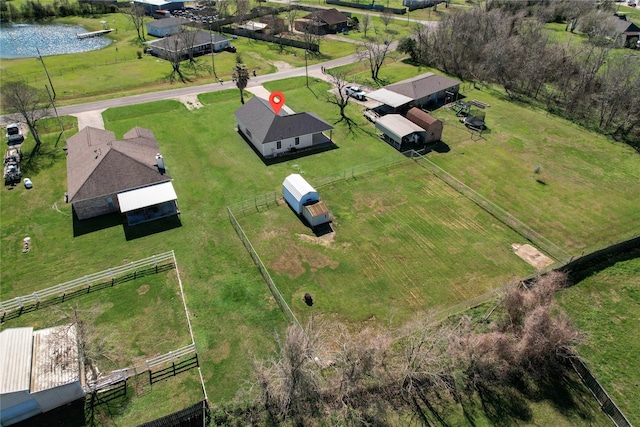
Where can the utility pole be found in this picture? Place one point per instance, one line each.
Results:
(47, 72)
(53, 102)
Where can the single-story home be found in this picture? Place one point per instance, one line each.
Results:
(305, 200)
(277, 134)
(427, 122)
(400, 132)
(325, 21)
(150, 6)
(198, 42)
(425, 89)
(39, 371)
(165, 27)
(106, 175)
(626, 31)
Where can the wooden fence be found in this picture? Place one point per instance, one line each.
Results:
(17, 306)
(180, 360)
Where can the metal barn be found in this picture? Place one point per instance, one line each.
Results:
(400, 132)
(39, 371)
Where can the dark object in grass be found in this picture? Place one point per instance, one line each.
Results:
(308, 299)
(539, 181)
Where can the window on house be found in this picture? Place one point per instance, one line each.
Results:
(248, 133)
(297, 140)
(279, 145)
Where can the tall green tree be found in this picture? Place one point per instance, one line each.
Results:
(240, 75)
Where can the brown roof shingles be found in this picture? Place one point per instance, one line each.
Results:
(97, 164)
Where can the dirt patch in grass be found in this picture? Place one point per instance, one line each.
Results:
(143, 289)
(325, 240)
(282, 65)
(221, 352)
(291, 261)
(532, 255)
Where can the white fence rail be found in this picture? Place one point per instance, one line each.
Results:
(111, 275)
(171, 357)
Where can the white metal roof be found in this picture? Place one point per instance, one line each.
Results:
(146, 196)
(253, 26)
(15, 359)
(154, 2)
(298, 186)
(389, 98)
(398, 125)
(55, 358)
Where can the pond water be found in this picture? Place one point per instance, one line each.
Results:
(21, 40)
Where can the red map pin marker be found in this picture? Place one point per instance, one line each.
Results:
(276, 99)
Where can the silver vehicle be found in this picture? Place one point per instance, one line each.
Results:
(355, 92)
(14, 133)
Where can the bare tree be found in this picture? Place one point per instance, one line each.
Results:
(240, 75)
(338, 97)
(30, 103)
(188, 40)
(365, 23)
(374, 51)
(174, 53)
(291, 15)
(137, 14)
(386, 17)
(242, 9)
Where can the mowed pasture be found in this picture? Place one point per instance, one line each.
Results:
(403, 242)
(577, 188)
(606, 306)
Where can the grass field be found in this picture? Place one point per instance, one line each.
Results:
(607, 307)
(233, 314)
(404, 242)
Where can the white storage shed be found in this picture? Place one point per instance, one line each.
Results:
(304, 200)
(298, 192)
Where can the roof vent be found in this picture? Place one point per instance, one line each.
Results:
(160, 163)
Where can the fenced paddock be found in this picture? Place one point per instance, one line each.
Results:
(107, 278)
(404, 241)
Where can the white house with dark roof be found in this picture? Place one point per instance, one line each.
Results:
(165, 27)
(184, 42)
(277, 134)
(39, 371)
(106, 175)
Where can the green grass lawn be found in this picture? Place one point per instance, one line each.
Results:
(116, 71)
(404, 242)
(233, 314)
(607, 307)
(586, 193)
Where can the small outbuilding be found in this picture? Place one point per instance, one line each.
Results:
(426, 121)
(39, 371)
(305, 200)
(400, 132)
(165, 27)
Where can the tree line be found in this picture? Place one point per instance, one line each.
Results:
(331, 374)
(36, 11)
(593, 82)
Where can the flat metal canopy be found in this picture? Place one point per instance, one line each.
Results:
(146, 196)
(389, 98)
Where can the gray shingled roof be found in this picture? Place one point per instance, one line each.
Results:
(199, 38)
(167, 22)
(265, 126)
(330, 16)
(97, 164)
(623, 26)
(423, 85)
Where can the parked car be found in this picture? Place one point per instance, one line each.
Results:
(28, 183)
(355, 92)
(14, 133)
(230, 48)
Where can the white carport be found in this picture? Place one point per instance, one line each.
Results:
(149, 203)
(397, 130)
(389, 98)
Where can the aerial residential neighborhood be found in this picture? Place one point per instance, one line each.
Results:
(320, 213)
